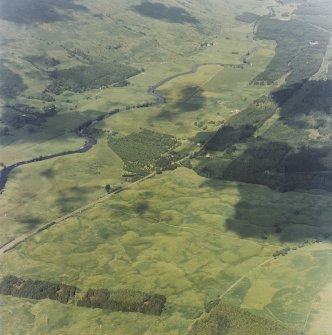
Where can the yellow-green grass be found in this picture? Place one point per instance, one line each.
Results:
(172, 235)
(46, 317)
(210, 103)
(15, 150)
(171, 53)
(56, 135)
(187, 244)
(286, 287)
(42, 191)
(319, 317)
(218, 84)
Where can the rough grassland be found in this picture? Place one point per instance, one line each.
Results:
(144, 239)
(67, 183)
(64, 184)
(179, 235)
(230, 320)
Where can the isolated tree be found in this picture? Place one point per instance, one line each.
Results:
(108, 188)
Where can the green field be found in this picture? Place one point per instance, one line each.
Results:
(145, 240)
(219, 199)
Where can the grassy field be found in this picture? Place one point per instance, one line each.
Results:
(320, 310)
(145, 240)
(58, 41)
(55, 46)
(190, 238)
(64, 184)
(195, 102)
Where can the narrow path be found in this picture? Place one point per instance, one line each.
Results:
(245, 275)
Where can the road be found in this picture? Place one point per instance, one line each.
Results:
(90, 142)
(15, 242)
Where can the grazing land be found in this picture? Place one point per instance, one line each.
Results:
(179, 167)
(144, 239)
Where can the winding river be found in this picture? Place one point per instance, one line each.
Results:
(81, 130)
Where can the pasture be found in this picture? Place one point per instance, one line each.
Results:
(193, 239)
(145, 239)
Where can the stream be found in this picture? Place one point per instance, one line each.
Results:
(81, 130)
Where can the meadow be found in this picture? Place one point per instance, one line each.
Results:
(54, 47)
(144, 239)
(64, 184)
(207, 108)
(200, 242)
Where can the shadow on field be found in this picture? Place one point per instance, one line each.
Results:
(284, 165)
(11, 83)
(161, 12)
(141, 207)
(42, 125)
(15, 115)
(31, 12)
(315, 101)
(74, 197)
(191, 99)
(48, 173)
(30, 221)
